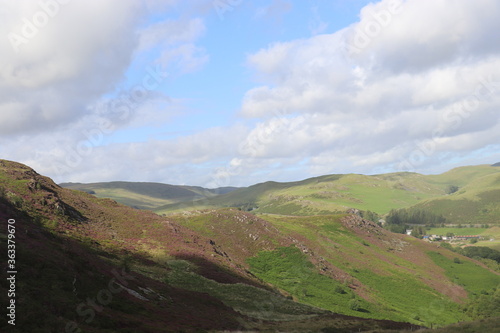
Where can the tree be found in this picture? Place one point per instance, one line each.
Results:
(452, 189)
(418, 232)
(484, 306)
(369, 215)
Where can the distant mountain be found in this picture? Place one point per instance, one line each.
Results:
(144, 195)
(377, 193)
(97, 265)
(496, 164)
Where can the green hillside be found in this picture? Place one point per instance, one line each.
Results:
(143, 195)
(476, 202)
(347, 265)
(93, 265)
(461, 195)
(325, 195)
(223, 270)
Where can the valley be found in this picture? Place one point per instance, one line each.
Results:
(268, 258)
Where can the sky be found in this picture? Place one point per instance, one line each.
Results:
(220, 93)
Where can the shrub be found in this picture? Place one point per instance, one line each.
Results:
(354, 304)
(339, 290)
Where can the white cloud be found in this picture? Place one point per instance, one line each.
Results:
(412, 78)
(275, 10)
(430, 71)
(75, 55)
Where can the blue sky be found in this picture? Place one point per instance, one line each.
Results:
(214, 93)
(227, 92)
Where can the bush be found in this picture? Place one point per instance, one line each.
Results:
(339, 290)
(452, 189)
(456, 260)
(354, 304)
(448, 246)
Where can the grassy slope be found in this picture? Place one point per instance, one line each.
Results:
(325, 195)
(471, 276)
(476, 201)
(492, 240)
(146, 195)
(391, 276)
(70, 243)
(393, 283)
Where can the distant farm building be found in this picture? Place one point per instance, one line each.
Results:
(468, 237)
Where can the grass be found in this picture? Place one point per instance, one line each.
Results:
(410, 299)
(475, 201)
(143, 195)
(398, 296)
(251, 301)
(471, 276)
(290, 270)
(395, 286)
(131, 199)
(456, 231)
(491, 235)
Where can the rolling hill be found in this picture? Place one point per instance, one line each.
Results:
(144, 195)
(476, 197)
(106, 267)
(475, 202)
(94, 265)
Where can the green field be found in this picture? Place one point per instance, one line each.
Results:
(491, 235)
(456, 231)
(474, 278)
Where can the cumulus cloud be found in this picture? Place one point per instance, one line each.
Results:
(407, 74)
(411, 85)
(63, 94)
(151, 160)
(59, 56)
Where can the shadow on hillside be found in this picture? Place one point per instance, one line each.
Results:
(220, 274)
(58, 275)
